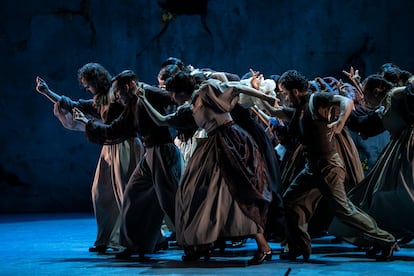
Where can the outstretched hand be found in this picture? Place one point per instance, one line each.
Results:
(352, 74)
(41, 86)
(256, 79)
(79, 116)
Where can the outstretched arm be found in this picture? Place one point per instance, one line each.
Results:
(251, 92)
(283, 113)
(63, 115)
(157, 117)
(226, 103)
(43, 88)
(66, 119)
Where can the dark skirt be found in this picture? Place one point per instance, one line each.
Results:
(224, 191)
(387, 192)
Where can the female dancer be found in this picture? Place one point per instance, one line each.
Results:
(117, 159)
(225, 191)
(388, 188)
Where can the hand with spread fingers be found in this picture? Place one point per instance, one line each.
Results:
(79, 116)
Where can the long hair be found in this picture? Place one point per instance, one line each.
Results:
(97, 75)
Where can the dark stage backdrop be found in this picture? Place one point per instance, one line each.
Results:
(46, 168)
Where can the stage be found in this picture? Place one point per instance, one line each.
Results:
(57, 244)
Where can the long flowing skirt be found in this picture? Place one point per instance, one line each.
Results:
(387, 192)
(115, 165)
(223, 193)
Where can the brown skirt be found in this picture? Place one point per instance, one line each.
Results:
(210, 202)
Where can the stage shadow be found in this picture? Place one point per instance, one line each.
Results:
(232, 258)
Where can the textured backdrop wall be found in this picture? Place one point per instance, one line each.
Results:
(44, 167)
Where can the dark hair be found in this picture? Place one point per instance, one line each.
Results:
(323, 100)
(376, 81)
(125, 77)
(182, 82)
(173, 61)
(392, 75)
(397, 76)
(168, 71)
(292, 79)
(97, 75)
(384, 67)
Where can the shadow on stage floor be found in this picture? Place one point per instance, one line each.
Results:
(57, 244)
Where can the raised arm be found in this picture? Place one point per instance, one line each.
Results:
(354, 77)
(43, 88)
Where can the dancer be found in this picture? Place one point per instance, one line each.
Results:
(150, 192)
(117, 159)
(388, 188)
(324, 173)
(225, 191)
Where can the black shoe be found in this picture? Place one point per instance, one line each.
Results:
(126, 254)
(260, 257)
(387, 252)
(220, 244)
(373, 251)
(291, 255)
(193, 254)
(161, 246)
(98, 249)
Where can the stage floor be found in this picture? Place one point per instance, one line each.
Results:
(57, 244)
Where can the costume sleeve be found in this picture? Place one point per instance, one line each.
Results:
(183, 119)
(366, 124)
(117, 131)
(86, 106)
(159, 98)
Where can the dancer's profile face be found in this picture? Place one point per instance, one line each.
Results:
(120, 93)
(89, 86)
(290, 96)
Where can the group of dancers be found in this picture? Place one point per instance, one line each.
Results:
(216, 157)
